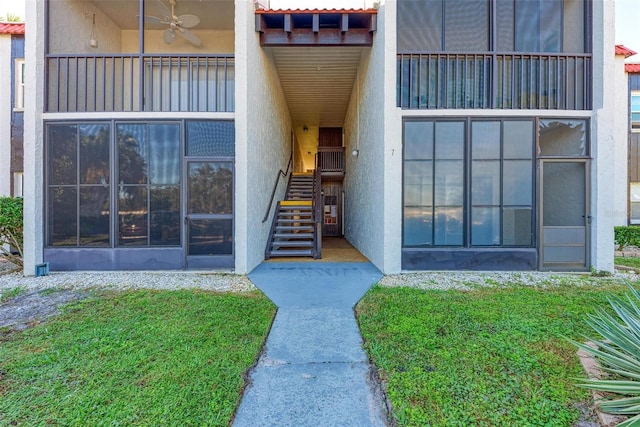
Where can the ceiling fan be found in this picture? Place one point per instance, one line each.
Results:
(177, 24)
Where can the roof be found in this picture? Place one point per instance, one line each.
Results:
(314, 11)
(621, 50)
(632, 68)
(11, 27)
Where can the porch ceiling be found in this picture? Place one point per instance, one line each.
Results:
(213, 14)
(317, 82)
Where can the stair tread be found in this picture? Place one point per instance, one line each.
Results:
(307, 252)
(301, 244)
(293, 235)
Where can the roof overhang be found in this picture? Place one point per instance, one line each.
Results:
(316, 27)
(11, 27)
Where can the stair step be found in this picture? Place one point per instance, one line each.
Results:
(293, 235)
(286, 243)
(307, 220)
(294, 228)
(295, 203)
(307, 252)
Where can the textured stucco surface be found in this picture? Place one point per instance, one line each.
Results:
(263, 134)
(621, 142)
(33, 136)
(365, 173)
(603, 144)
(5, 115)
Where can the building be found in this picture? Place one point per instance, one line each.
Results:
(633, 130)
(12, 107)
(161, 128)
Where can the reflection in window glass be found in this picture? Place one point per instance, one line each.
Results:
(559, 137)
(132, 153)
(164, 163)
(635, 111)
(94, 153)
(63, 214)
(62, 142)
(634, 201)
(418, 226)
(164, 207)
(132, 216)
(94, 216)
(210, 187)
(516, 227)
(211, 237)
(485, 226)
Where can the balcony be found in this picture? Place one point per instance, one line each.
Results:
(140, 82)
(330, 161)
(494, 81)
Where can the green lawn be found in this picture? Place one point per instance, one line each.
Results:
(628, 261)
(482, 357)
(134, 358)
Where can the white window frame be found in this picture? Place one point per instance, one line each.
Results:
(634, 200)
(18, 104)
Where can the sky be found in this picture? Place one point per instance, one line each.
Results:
(627, 15)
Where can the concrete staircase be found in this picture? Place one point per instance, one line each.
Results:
(292, 232)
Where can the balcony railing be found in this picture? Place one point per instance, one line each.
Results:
(116, 83)
(494, 80)
(331, 161)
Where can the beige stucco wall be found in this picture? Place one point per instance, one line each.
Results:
(621, 139)
(364, 129)
(263, 135)
(5, 114)
(213, 41)
(71, 22)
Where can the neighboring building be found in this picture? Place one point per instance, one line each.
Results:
(12, 107)
(480, 134)
(633, 129)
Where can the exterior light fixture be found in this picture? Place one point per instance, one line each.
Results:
(93, 37)
(305, 128)
(355, 152)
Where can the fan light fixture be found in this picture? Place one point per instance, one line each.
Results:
(178, 24)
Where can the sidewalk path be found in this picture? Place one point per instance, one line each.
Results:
(313, 371)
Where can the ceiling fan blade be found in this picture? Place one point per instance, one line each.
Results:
(190, 36)
(188, 21)
(166, 9)
(154, 20)
(169, 35)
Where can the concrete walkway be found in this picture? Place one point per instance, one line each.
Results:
(313, 371)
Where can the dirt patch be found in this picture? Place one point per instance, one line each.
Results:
(34, 307)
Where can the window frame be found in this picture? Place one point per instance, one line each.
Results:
(18, 99)
(634, 128)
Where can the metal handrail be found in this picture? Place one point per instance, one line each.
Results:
(275, 186)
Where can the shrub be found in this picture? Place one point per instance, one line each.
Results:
(626, 236)
(619, 355)
(11, 227)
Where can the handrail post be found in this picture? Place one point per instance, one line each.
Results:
(317, 208)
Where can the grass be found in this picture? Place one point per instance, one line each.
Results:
(11, 293)
(628, 261)
(481, 357)
(134, 358)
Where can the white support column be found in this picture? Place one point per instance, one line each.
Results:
(33, 136)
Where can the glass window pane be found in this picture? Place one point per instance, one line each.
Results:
(419, 25)
(527, 17)
(132, 153)
(550, 25)
(418, 226)
(94, 154)
(466, 25)
(485, 182)
(210, 187)
(164, 150)
(485, 140)
(448, 226)
(94, 216)
(635, 213)
(211, 138)
(450, 140)
(418, 183)
(63, 156)
(518, 139)
(516, 227)
(449, 181)
(418, 140)
(517, 182)
(211, 237)
(485, 226)
(132, 216)
(504, 23)
(563, 137)
(63, 216)
(164, 206)
(573, 26)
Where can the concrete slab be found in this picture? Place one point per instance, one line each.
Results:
(330, 394)
(315, 284)
(318, 335)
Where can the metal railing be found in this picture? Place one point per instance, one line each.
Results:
(134, 82)
(282, 174)
(494, 80)
(317, 209)
(331, 160)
